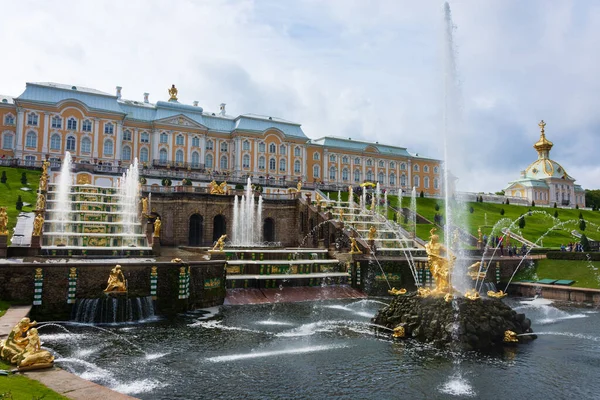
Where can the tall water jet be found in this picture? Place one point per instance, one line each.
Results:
(247, 219)
(129, 192)
(62, 213)
(413, 211)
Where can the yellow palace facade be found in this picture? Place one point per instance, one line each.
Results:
(107, 131)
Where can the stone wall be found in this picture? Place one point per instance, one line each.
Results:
(555, 292)
(18, 285)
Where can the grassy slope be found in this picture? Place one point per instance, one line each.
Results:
(18, 387)
(3, 307)
(10, 191)
(582, 272)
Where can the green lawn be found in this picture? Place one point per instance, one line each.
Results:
(582, 272)
(10, 191)
(3, 307)
(19, 387)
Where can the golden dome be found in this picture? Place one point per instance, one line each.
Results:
(543, 144)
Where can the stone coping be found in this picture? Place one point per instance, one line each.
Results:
(557, 287)
(59, 380)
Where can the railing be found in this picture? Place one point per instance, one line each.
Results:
(177, 164)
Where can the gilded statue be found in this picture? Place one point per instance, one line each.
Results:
(33, 354)
(215, 188)
(354, 247)
(299, 186)
(399, 332)
(220, 243)
(44, 182)
(173, 93)
(45, 166)
(479, 236)
(116, 280)
(341, 214)
(41, 202)
(474, 273)
(510, 337)
(144, 206)
(496, 295)
(157, 224)
(3, 221)
(441, 262)
(38, 225)
(472, 294)
(16, 342)
(372, 233)
(395, 292)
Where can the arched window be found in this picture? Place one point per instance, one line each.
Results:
(209, 161)
(316, 171)
(261, 147)
(32, 119)
(436, 170)
(55, 142)
(272, 148)
(224, 163)
(7, 141)
(357, 175)
(426, 169)
(246, 145)
(86, 145)
(381, 178)
(392, 179)
(272, 165)
(403, 167)
(126, 154)
(369, 162)
(246, 161)
(381, 163)
(209, 145)
(9, 119)
(357, 161)
(56, 122)
(163, 155)
(403, 180)
(195, 141)
(86, 126)
(297, 151)
(282, 149)
(195, 159)
(144, 155)
(282, 165)
(297, 169)
(109, 129)
(332, 173)
(345, 159)
(108, 147)
(31, 139)
(416, 167)
(436, 183)
(316, 157)
(426, 182)
(345, 174)
(164, 138)
(144, 137)
(223, 147)
(179, 140)
(179, 156)
(70, 143)
(127, 135)
(392, 164)
(332, 157)
(261, 162)
(416, 181)
(369, 176)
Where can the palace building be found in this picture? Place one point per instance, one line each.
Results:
(107, 131)
(545, 181)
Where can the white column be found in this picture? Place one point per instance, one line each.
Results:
(188, 142)
(96, 137)
(202, 149)
(364, 168)
(303, 162)
(171, 151)
(20, 133)
(45, 140)
(254, 147)
(238, 154)
(154, 141)
(410, 182)
(135, 134)
(387, 172)
(119, 141)
(339, 169)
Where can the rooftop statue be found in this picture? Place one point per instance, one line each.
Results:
(173, 93)
(116, 280)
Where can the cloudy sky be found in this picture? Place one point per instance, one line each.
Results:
(368, 70)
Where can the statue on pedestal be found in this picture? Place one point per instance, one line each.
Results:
(173, 93)
(3, 221)
(372, 233)
(23, 347)
(38, 225)
(354, 247)
(144, 206)
(157, 224)
(44, 182)
(41, 202)
(441, 262)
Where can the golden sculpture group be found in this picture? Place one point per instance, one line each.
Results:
(220, 244)
(116, 281)
(23, 347)
(215, 188)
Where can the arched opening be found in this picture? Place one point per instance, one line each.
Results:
(195, 231)
(269, 230)
(219, 227)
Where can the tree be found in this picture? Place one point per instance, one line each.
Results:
(522, 222)
(582, 224)
(3, 178)
(24, 178)
(437, 207)
(471, 209)
(532, 203)
(580, 215)
(422, 194)
(502, 211)
(556, 214)
(186, 182)
(555, 206)
(592, 198)
(585, 243)
(166, 182)
(507, 202)
(19, 203)
(500, 193)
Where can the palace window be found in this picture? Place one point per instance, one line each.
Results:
(109, 129)
(126, 155)
(7, 141)
(162, 155)
(86, 126)
(416, 167)
(436, 170)
(316, 156)
(261, 147)
(179, 140)
(403, 167)
(195, 141)
(380, 178)
(179, 156)
(282, 165)
(282, 149)
(209, 161)
(356, 175)
(195, 159)
(272, 148)
(31, 139)
(224, 163)
(108, 147)
(416, 181)
(426, 182)
(345, 174)
(332, 158)
(403, 180)
(436, 183)
(272, 165)
(86, 145)
(72, 124)
(357, 161)
(316, 171)
(30, 160)
(246, 161)
(164, 138)
(297, 167)
(297, 151)
(261, 162)
(223, 148)
(369, 162)
(144, 155)
(381, 163)
(426, 169)
(32, 119)
(332, 173)
(345, 160)
(127, 135)
(55, 142)
(246, 145)
(56, 122)
(369, 176)
(144, 137)
(9, 119)
(392, 164)
(70, 143)
(392, 179)
(209, 145)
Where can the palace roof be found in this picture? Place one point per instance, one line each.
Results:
(358, 145)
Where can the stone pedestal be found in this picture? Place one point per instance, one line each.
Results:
(36, 242)
(3, 245)
(156, 246)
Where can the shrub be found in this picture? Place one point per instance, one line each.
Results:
(19, 203)
(471, 209)
(555, 206)
(507, 202)
(532, 203)
(437, 207)
(502, 211)
(24, 178)
(186, 182)
(577, 206)
(522, 222)
(556, 214)
(421, 194)
(3, 178)
(582, 224)
(239, 186)
(143, 180)
(166, 182)
(580, 215)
